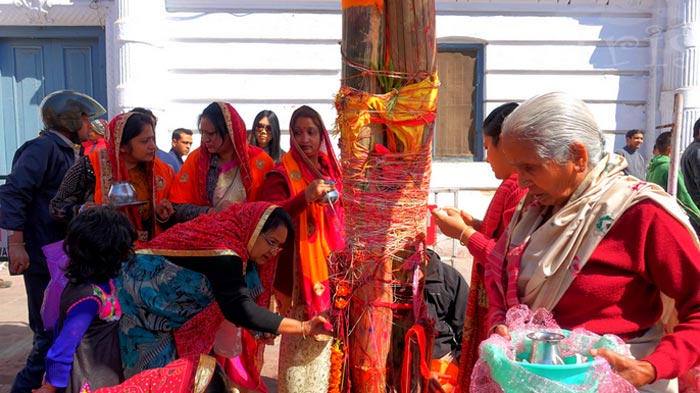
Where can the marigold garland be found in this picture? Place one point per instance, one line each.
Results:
(337, 358)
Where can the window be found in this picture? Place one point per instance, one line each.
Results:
(459, 115)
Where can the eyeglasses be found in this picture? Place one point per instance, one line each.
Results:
(273, 247)
(260, 127)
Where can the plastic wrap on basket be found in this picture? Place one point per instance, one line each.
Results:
(500, 369)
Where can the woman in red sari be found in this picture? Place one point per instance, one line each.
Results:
(185, 282)
(480, 238)
(300, 184)
(223, 170)
(130, 156)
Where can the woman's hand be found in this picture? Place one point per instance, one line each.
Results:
(470, 220)
(502, 330)
(450, 222)
(19, 259)
(317, 189)
(636, 372)
(164, 210)
(319, 325)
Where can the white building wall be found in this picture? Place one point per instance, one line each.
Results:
(176, 56)
(256, 55)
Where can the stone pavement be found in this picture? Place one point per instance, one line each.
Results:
(16, 337)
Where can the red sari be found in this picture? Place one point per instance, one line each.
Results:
(230, 232)
(109, 168)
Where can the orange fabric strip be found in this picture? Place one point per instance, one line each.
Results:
(363, 3)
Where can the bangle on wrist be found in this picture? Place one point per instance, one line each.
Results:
(303, 330)
(462, 234)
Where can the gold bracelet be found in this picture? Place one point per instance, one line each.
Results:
(303, 334)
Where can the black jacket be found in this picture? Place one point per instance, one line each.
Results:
(446, 294)
(37, 171)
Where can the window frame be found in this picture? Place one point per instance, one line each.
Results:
(478, 153)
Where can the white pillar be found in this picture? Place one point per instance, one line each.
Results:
(681, 65)
(656, 68)
(136, 64)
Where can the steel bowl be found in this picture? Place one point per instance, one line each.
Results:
(122, 193)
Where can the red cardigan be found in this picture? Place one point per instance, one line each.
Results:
(645, 252)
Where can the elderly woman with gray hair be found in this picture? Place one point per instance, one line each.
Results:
(597, 248)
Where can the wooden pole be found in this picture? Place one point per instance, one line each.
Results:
(412, 51)
(363, 46)
(672, 186)
(394, 39)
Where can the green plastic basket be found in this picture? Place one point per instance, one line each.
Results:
(568, 373)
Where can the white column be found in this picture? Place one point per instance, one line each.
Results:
(136, 65)
(656, 49)
(681, 65)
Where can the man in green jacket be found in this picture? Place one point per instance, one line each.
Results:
(657, 172)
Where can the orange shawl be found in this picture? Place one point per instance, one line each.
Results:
(110, 168)
(320, 227)
(191, 182)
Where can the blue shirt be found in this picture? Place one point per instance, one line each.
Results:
(171, 159)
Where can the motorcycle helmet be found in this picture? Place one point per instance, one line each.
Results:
(62, 110)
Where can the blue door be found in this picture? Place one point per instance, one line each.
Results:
(37, 61)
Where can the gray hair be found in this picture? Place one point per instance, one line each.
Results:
(552, 122)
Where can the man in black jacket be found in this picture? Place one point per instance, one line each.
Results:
(446, 293)
(37, 170)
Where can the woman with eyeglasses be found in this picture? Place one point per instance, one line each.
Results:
(184, 283)
(223, 170)
(307, 184)
(266, 134)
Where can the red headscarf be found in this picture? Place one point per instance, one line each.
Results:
(113, 140)
(109, 168)
(239, 137)
(330, 167)
(230, 232)
(253, 163)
